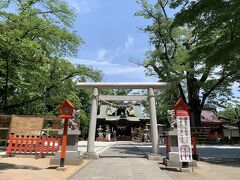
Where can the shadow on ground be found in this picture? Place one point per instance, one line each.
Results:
(123, 150)
(5, 166)
(235, 162)
(163, 167)
(170, 169)
(52, 167)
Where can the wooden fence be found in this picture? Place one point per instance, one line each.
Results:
(34, 145)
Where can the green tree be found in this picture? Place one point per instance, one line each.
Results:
(233, 114)
(35, 36)
(176, 57)
(216, 24)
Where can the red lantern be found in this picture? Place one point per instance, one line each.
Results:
(66, 109)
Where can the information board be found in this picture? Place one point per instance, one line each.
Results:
(184, 139)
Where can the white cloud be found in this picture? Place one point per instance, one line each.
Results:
(117, 52)
(83, 6)
(129, 43)
(91, 62)
(101, 54)
(116, 72)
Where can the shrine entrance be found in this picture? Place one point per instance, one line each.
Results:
(121, 120)
(123, 130)
(96, 97)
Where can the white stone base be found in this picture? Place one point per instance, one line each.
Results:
(91, 155)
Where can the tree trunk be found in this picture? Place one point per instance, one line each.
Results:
(194, 102)
(195, 116)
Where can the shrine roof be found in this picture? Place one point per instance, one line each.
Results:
(209, 117)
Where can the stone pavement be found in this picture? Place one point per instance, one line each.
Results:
(123, 149)
(122, 161)
(121, 169)
(99, 147)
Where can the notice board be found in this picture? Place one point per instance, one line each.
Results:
(26, 125)
(184, 138)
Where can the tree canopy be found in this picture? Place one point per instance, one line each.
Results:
(35, 42)
(185, 52)
(216, 25)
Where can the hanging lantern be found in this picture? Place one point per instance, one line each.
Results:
(109, 111)
(131, 112)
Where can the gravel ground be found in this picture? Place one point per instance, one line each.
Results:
(30, 168)
(206, 171)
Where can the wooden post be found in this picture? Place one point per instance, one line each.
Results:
(64, 142)
(195, 153)
(26, 145)
(36, 143)
(31, 144)
(9, 149)
(16, 144)
(21, 144)
(167, 146)
(53, 144)
(66, 110)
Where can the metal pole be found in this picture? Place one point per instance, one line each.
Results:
(64, 143)
(153, 121)
(93, 121)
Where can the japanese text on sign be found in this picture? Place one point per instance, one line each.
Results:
(184, 139)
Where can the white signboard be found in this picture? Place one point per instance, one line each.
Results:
(184, 139)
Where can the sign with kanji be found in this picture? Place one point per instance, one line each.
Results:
(184, 133)
(184, 139)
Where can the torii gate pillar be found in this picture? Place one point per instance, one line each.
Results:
(153, 121)
(90, 154)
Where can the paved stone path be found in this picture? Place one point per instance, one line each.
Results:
(123, 149)
(122, 161)
(99, 147)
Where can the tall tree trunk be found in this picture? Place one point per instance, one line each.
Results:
(194, 102)
(195, 114)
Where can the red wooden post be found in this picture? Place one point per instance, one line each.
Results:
(58, 143)
(48, 144)
(42, 145)
(21, 143)
(31, 145)
(66, 110)
(167, 145)
(53, 144)
(195, 153)
(16, 143)
(64, 143)
(9, 149)
(26, 148)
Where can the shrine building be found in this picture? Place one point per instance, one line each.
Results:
(123, 119)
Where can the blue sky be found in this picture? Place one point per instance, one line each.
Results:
(112, 38)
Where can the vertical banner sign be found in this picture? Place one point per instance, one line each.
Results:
(184, 136)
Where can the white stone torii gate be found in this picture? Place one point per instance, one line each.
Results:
(123, 85)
